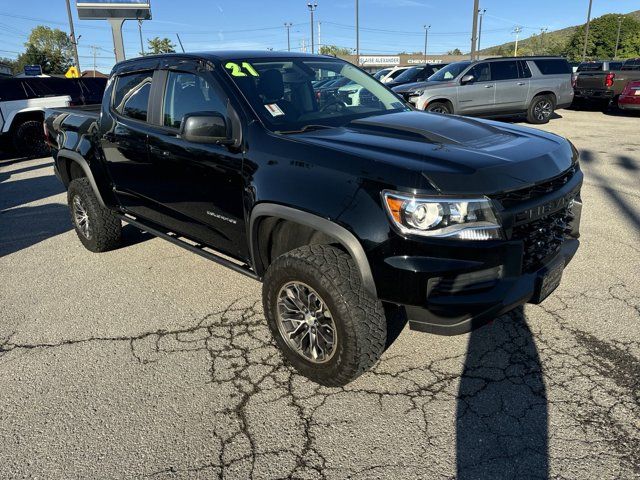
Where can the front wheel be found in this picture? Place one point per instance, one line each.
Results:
(327, 326)
(540, 110)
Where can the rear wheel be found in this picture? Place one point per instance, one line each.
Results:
(327, 326)
(29, 141)
(541, 109)
(98, 228)
(439, 107)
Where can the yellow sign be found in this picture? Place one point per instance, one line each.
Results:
(72, 73)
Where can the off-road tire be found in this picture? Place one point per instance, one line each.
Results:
(359, 318)
(29, 141)
(439, 107)
(106, 227)
(540, 101)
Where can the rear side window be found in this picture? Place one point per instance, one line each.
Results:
(553, 66)
(507, 70)
(525, 71)
(131, 95)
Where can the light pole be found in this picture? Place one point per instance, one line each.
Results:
(312, 8)
(474, 30)
(357, 32)
(426, 41)
(543, 30)
(141, 42)
(288, 27)
(481, 14)
(615, 55)
(517, 31)
(586, 32)
(72, 34)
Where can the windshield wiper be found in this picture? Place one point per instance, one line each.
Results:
(306, 128)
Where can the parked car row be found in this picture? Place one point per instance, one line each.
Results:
(604, 82)
(531, 86)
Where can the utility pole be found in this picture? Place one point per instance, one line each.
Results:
(358, 32)
(312, 8)
(319, 37)
(72, 34)
(288, 27)
(94, 51)
(517, 31)
(586, 32)
(615, 55)
(141, 42)
(474, 30)
(426, 41)
(481, 14)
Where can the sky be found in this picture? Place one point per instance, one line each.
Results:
(386, 26)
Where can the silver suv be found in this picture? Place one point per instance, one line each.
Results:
(535, 86)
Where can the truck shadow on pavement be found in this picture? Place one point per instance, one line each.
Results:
(501, 414)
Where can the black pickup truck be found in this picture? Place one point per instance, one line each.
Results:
(349, 212)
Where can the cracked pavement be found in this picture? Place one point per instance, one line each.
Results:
(150, 361)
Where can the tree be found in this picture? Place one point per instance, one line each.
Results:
(50, 48)
(9, 63)
(602, 38)
(160, 45)
(334, 50)
(455, 51)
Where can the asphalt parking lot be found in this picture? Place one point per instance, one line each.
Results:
(150, 361)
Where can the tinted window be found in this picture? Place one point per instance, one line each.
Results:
(590, 67)
(504, 70)
(553, 66)
(408, 75)
(189, 93)
(525, 71)
(631, 65)
(481, 72)
(615, 65)
(131, 96)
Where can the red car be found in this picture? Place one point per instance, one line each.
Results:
(630, 97)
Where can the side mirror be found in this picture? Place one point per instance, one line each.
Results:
(467, 79)
(205, 127)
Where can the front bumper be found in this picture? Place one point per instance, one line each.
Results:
(452, 287)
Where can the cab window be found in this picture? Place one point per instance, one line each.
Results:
(131, 95)
(480, 72)
(189, 93)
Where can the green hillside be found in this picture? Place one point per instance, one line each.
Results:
(557, 42)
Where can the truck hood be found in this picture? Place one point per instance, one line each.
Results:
(456, 155)
(422, 86)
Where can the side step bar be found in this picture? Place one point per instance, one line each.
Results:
(196, 248)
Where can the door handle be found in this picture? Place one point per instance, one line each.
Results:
(522, 84)
(488, 86)
(159, 151)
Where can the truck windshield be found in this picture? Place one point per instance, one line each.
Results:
(281, 91)
(449, 72)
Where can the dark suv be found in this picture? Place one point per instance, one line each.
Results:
(349, 212)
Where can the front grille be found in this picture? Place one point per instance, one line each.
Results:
(543, 238)
(510, 199)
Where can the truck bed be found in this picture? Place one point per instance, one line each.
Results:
(91, 111)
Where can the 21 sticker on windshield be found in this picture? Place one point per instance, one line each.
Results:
(241, 70)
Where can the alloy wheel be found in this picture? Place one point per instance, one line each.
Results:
(81, 217)
(543, 110)
(305, 322)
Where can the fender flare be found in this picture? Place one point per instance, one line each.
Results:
(332, 229)
(80, 160)
(10, 118)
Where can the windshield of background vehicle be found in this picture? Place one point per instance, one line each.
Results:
(282, 92)
(449, 72)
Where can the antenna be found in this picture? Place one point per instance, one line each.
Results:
(180, 42)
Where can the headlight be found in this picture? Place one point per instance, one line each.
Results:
(458, 218)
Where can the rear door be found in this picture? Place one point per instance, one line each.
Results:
(478, 96)
(511, 89)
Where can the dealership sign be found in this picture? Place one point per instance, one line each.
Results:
(382, 60)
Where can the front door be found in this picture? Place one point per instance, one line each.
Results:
(477, 96)
(197, 188)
